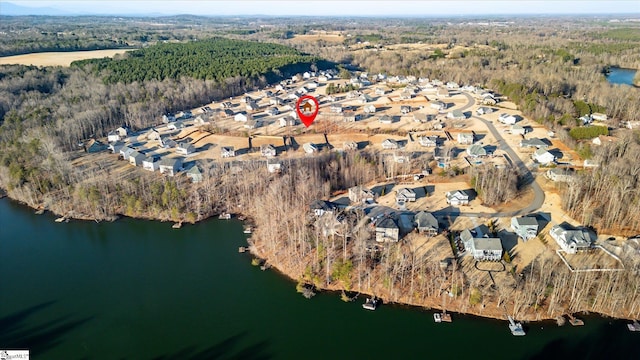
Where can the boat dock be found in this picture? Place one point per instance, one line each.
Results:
(515, 327)
(634, 326)
(574, 321)
(371, 303)
(242, 249)
(177, 225)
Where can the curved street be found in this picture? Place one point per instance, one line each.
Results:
(526, 177)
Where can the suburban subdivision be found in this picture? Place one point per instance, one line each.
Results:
(416, 184)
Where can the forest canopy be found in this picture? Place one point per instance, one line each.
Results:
(212, 59)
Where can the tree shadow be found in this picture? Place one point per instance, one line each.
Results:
(18, 334)
(225, 349)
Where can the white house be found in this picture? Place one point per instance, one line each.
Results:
(526, 227)
(387, 230)
(476, 150)
(370, 109)
(241, 116)
(483, 110)
(559, 175)
(287, 121)
(507, 119)
(438, 105)
(310, 148)
(429, 141)
(485, 249)
(569, 240)
(151, 163)
(456, 115)
(170, 166)
(405, 109)
(185, 148)
(390, 144)
(359, 194)
(336, 109)
(543, 157)
(406, 195)
(457, 197)
(465, 138)
(268, 150)
(274, 166)
(518, 129)
(321, 207)
(385, 119)
(113, 136)
(227, 152)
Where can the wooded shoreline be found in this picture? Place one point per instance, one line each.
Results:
(490, 311)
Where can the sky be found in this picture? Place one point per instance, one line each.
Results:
(342, 8)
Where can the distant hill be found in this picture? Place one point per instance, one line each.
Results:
(10, 9)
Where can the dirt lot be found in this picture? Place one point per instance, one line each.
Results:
(58, 58)
(324, 36)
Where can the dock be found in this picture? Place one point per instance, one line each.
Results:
(224, 216)
(62, 219)
(634, 326)
(574, 321)
(371, 304)
(242, 249)
(177, 225)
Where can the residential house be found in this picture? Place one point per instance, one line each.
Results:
(632, 125)
(152, 134)
(252, 124)
(426, 223)
(534, 143)
(246, 99)
(390, 144)
(543, 157)
(226, 105)
(113, 136)
(406, 195)
(452, 85)
(323, 78)
(400, 158)
(310, 148)
(228, 112)
(195, 174)
(277, 101)
(483, 110)
(185, 148)
(350, 116)
(442, 93)
(387, 230)
(518, 129)
(168, 118)
(227, 152)
(287, 121)
(364, 98)
(438, 105)
(252, 106)
(559, 174)
(465, 138)
(476, 150)
(268, 150)
(115, 147)
(420, 118)
(429, 141)
(507, 119)
(585, 119)
(405, 109)
(151, 163)
(360, 194)
(349, 145)
(125, 152)
(94, 146)
(273, 111)
(136, 158)
(199, 121)
(385, 119)
(336, 109)
(406, 95)
(321, 207)
(274, 166)
(170, 166)
(370, 109)
(379, 91)
(457, 197)
(599, 117)
(489, 101)
(241, 116)
(485, 249)
(456, 115)
(570, 240)
(167, 142)
(176, 125)
(526, 227)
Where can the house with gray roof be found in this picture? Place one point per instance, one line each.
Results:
(485, 249)
(456, 115)
(387, 230)
(457, 197)
(476, 150)
(526, 227)
(268, 150)
(136, 158)
(426, 223)
(151, 163)
(125, 152)
(533, 143)
(321, 207)
(406, 195)
(360, 194)
(170, 166)
(465, 138)
(570, 240)
(185, 148)
(390, 144)
(227, 152)
(195, 174)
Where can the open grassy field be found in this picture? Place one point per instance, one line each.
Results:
(58, 58)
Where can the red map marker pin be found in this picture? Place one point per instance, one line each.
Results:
(307, 109)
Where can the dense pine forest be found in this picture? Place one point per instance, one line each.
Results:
(215, 59)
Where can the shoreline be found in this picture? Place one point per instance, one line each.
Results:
(490, 310)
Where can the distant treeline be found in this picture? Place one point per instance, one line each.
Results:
(212, 59)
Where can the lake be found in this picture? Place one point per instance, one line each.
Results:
(136, 289)
(621, 76)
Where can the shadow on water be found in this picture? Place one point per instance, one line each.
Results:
(17, 333)
(223, 350)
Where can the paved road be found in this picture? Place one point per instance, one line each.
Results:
(526, 176)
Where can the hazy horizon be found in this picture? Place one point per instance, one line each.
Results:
(337, 8)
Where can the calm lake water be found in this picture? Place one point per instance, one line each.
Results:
(141, 290)
(621, 76)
